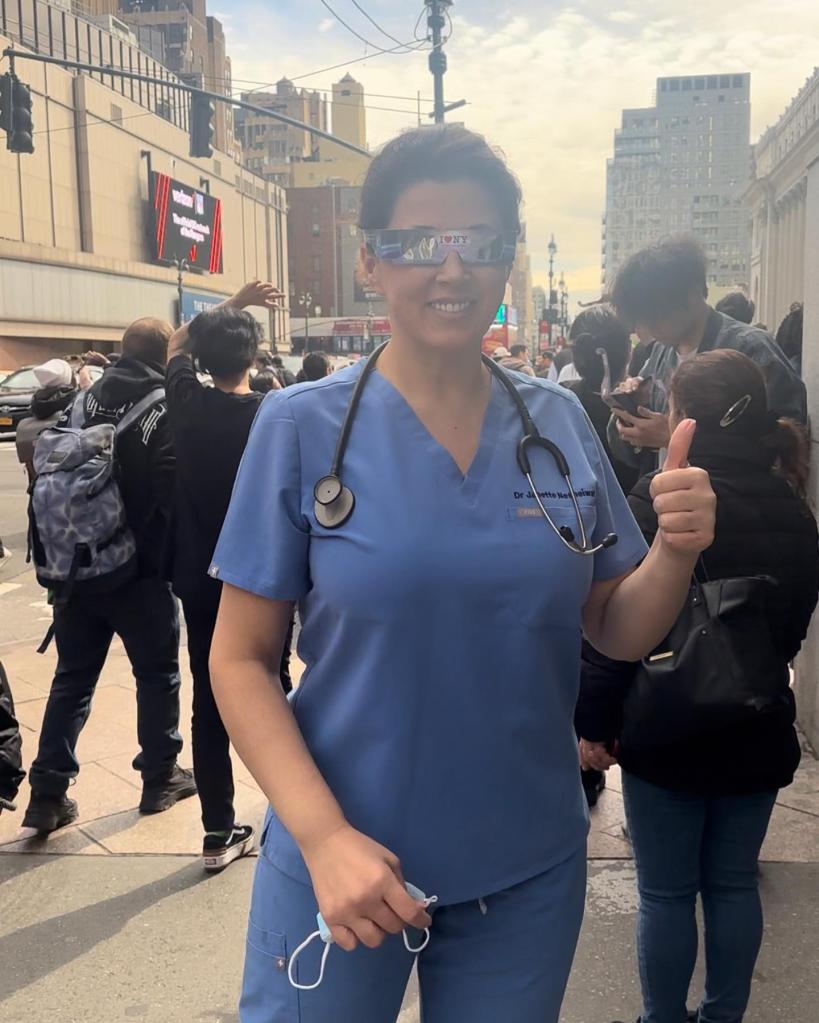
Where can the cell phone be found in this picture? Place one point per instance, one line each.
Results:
(626, 402)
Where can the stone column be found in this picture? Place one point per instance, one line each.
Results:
(807, 665)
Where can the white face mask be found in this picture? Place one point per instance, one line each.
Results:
(326, 936)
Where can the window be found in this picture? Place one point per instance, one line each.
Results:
(316, 230)
(712, 82)
(725, 82)
(736, 81)
(674, 85)
(699, 83)
(686, 85)
(315, 264)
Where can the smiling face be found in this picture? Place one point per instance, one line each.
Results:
(443, 307)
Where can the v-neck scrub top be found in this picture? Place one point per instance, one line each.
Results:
(441, 624)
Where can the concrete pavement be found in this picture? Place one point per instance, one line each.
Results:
(112, 920)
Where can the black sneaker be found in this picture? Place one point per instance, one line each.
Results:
(593, 784)
(48, 813)
(163, 793)
(218, 851)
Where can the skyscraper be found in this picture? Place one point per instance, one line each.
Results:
(681, 167)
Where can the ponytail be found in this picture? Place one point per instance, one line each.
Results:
(790, 443)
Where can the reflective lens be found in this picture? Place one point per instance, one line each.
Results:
(431, 248)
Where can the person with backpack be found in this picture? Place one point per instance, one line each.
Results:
(210, 427)
(703, 728)
(58, 389)
(100, 517)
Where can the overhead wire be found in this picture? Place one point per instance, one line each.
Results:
(349, 27)
(372, 21)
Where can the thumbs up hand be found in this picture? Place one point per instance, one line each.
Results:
(684, 501)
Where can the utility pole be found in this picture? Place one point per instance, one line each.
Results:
(437, 59)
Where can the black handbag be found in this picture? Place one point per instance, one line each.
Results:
(718, 667)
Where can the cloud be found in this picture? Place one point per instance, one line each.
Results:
(326, 24)
(547, 82)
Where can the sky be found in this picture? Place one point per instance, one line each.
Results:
(545, 81)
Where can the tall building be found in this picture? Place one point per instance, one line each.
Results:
(323, 249)
(270, 147)
(521, 283)
(777, 204)
(538, 303)
(681, 167)
(294, 158)
(194, 50)
(349, 116)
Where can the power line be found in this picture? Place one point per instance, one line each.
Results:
(357, 60)
(350, 28)
(372, 21)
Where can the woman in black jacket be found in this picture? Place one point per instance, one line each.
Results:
(698, 810)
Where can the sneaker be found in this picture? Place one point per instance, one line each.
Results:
(218, 851)
(48, 813)
(593, 784)
(161, 794)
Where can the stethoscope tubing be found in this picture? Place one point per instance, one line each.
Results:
(330, 490)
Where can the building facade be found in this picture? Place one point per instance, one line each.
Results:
(271, 147)
(681, 167)
(776, 204)
(194, 50)
(324, 245)
(77, 240)
(521, 283)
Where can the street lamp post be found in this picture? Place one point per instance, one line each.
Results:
(182, 267)
(561, 286)
(305, 301)
(552, 296)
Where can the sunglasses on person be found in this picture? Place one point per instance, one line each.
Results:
(430, 247)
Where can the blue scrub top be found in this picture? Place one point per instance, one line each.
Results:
(441, 624)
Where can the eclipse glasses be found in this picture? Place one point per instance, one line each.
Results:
(428, 247)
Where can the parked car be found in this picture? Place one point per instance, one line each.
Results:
(16, 392)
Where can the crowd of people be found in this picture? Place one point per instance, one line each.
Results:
(471, 676)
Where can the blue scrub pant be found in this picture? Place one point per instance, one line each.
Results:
(505, 957)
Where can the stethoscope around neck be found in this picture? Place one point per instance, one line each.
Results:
(335, 502)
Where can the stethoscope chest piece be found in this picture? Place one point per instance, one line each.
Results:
(334, 502)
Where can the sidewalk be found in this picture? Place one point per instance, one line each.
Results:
(112, 919)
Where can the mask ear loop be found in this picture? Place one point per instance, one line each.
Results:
(297, 953)
(735, 411)
(427, 935)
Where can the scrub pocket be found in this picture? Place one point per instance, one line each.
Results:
(267, 994)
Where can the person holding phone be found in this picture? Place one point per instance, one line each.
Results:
(661, 292)
(427, 571)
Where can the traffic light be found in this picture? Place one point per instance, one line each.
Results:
(15, 114)
(201, 124)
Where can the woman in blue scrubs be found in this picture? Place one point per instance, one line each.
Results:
(431, 739)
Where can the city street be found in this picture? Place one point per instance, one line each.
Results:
(115, 917)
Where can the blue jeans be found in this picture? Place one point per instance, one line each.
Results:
(686, 844)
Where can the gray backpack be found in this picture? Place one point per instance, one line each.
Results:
(78, 533)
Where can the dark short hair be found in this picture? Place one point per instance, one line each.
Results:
(442, 153)
(659, 280)
(146, 340)
(517, 349)
(224, 341)
(789, 335)
(738, 306)
(315, 365)
(599, 327)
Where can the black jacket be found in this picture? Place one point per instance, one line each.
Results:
(144, 456)
(599, 413)
(11, 773)
(786, 392)
(762, 528)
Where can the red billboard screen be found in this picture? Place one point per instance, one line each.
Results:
(187, 224)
